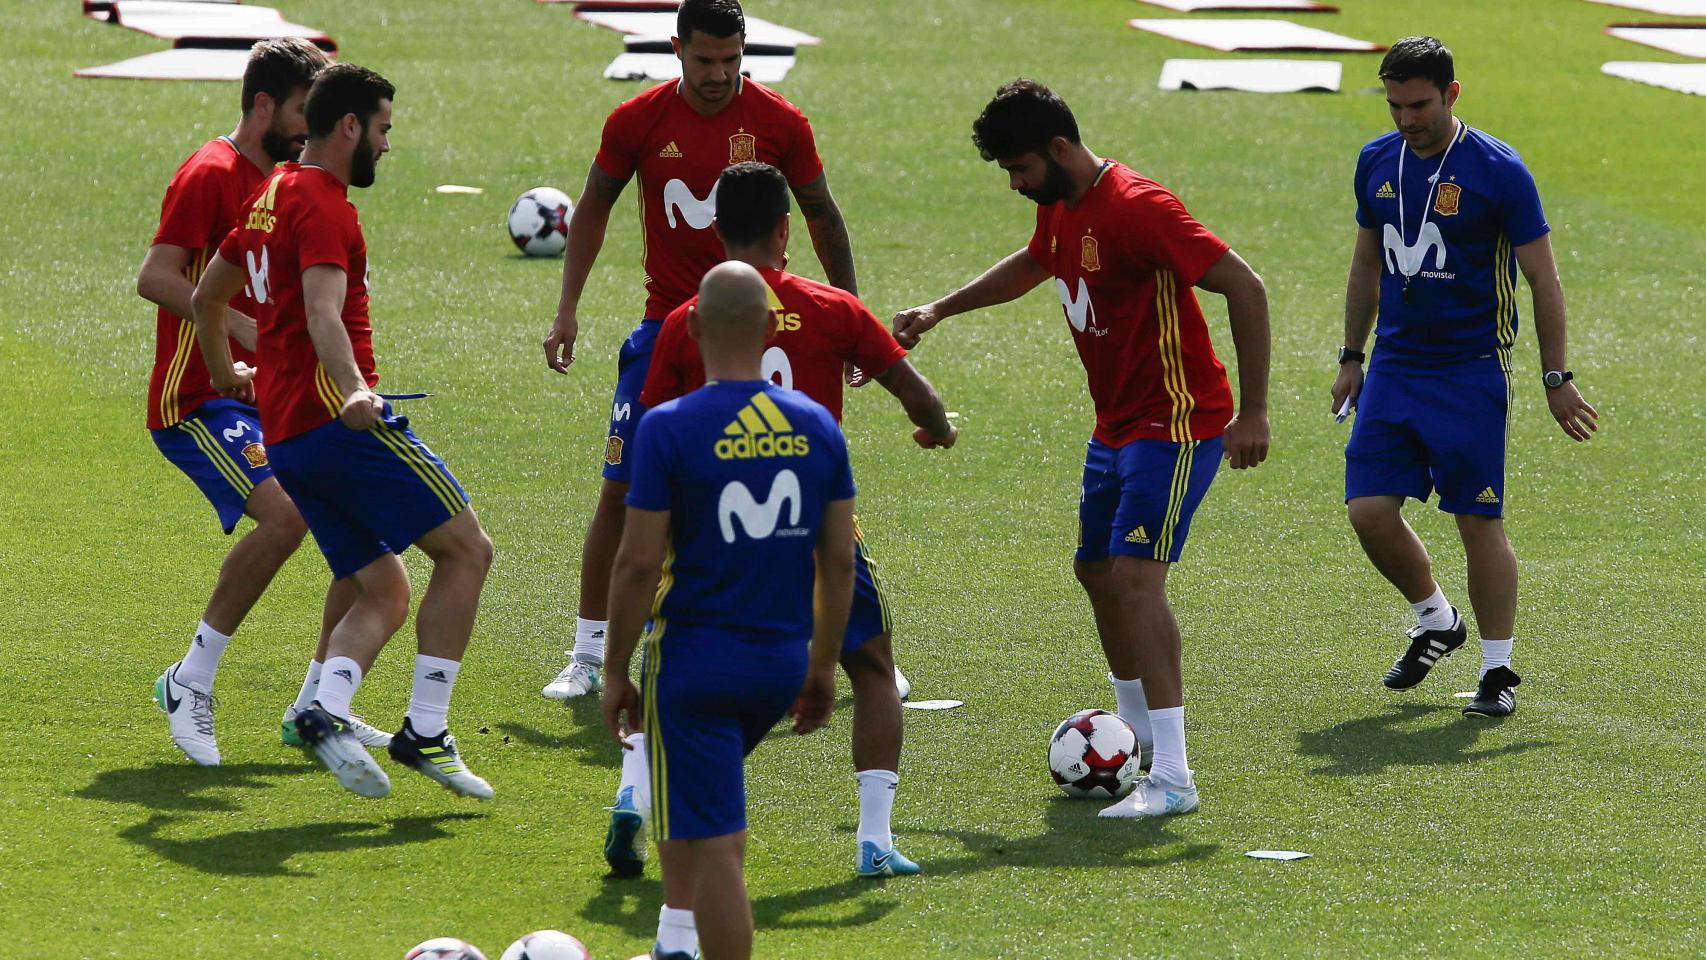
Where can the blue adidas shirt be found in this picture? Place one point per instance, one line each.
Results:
(1461, 261)
(745, 469)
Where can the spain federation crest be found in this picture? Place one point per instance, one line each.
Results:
(1447, 202)
(255, 454)
(743, 147)
(1089, 255)
(613, 451)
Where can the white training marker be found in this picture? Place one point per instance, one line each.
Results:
(933, 704)
(458, 188)
(1465, 695)
(953, 415)
(1276, 855)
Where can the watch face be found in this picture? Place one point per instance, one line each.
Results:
(1554, 379)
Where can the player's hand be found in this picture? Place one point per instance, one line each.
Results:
(560, 345)
(854, 376)
(1348, 384)
(929, 441)
(240, 386)
(620, 707)
(816, 702)
(1246, 440)
(1578, 418)
(911, 324)
(362, 410)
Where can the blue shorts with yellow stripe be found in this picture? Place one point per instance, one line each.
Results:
(219, 446)
(708, 700)
(1138, 500)
(870, 612)
(1422, 428)
(366, 493)
(633, 362)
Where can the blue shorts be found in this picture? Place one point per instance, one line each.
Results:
(1138, 500)
(870, 613)
(219, 446)
(700, 722)
(632, 364)
(366, 493)
(1420, 429)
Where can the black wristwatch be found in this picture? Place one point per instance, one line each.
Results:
(1557, 378)
(1346, 355)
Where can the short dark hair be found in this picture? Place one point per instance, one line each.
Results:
(278, 67)
(1423, 57)
(752, 198)
(343, 89)
(718, 18)
(1024, 117)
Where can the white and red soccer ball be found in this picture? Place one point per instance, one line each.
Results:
(445, 948)
(539, 221)
(547, 945)
(1094, 753)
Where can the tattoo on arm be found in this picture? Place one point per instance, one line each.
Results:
(604, 186)
(829, 233)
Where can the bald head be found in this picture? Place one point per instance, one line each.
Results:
(732, 320)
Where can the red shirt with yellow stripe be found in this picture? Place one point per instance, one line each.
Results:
(1125, 259)
(301, 217)
(200, 208)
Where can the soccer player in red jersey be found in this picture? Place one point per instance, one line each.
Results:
(367, 486)
(675, 138)
(819, 329)
(1125, 254)
(216, 441)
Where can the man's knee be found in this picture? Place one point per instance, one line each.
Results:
(1095, 575)
(1479, 532)
(276, 517)
(1139, 576)
(1373, 515)
(871, 663)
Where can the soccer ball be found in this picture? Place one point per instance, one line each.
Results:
(445, 948)
(547, 945)
(539, 221)
(1094, 753)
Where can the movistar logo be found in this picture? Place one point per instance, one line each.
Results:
(679, 199)
(760, 430)
(1080, 312)
(759, 520)
(1407, 259)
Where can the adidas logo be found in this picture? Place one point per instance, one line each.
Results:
(670, 151)
(760, 430)
(1139, 535)
(438, 675)
(198, 641)
(1385, 191)
(1487, 496)
(345, 674)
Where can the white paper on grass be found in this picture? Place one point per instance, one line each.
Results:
(176, 19)
(1276, 855)
(660, 25)
(1682, 41)
(459, 188)
(664, 66)
(1192, 6)
(1231, 35)
(1681, 77)
(186, 63)
(933, 704)
(1253, 76)
(1669, 8)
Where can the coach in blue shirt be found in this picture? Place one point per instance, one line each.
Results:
(1447, 214)
(739, 547)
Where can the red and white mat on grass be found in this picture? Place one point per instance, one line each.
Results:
(1234, 35)
(1229, 6)
(1682, 39)
(664, 66)
(185, 20)
(1253, 76)
(1668, 8)
(1681, 77)
(183, 63)
(656, 21)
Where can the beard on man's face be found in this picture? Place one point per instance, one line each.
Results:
(364, 165)
(1057, 185)
(279, 147)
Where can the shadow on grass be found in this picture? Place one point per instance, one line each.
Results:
(1075, 838)
(1377, 743)
(586, 736)
(267, 852)
(185, 786)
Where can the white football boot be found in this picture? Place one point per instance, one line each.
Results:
(902, 685)
(335, 744)
(368, 734)
(189, 716)
(576, 680)
(1151, 798)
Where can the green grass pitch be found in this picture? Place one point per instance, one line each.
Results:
(1573, 829)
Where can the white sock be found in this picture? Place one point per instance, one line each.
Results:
(1434, 613)
(339, 679)
(589, 641)
(1133, 708)
(1495, 653)
(310, 687)
(1170, 765)
(677, 932)
(429, 707)
(636, 772)
(876, 806)
(202, 661)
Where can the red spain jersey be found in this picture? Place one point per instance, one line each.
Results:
(200, 208)
(300, 218)
(1125, 259)
(677, 156)
(818, 328)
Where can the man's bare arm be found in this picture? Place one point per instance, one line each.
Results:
(586, 238)
(162, 282)
(1014, 276)
(1574, 414)
(829, 233)
(1246, 439)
